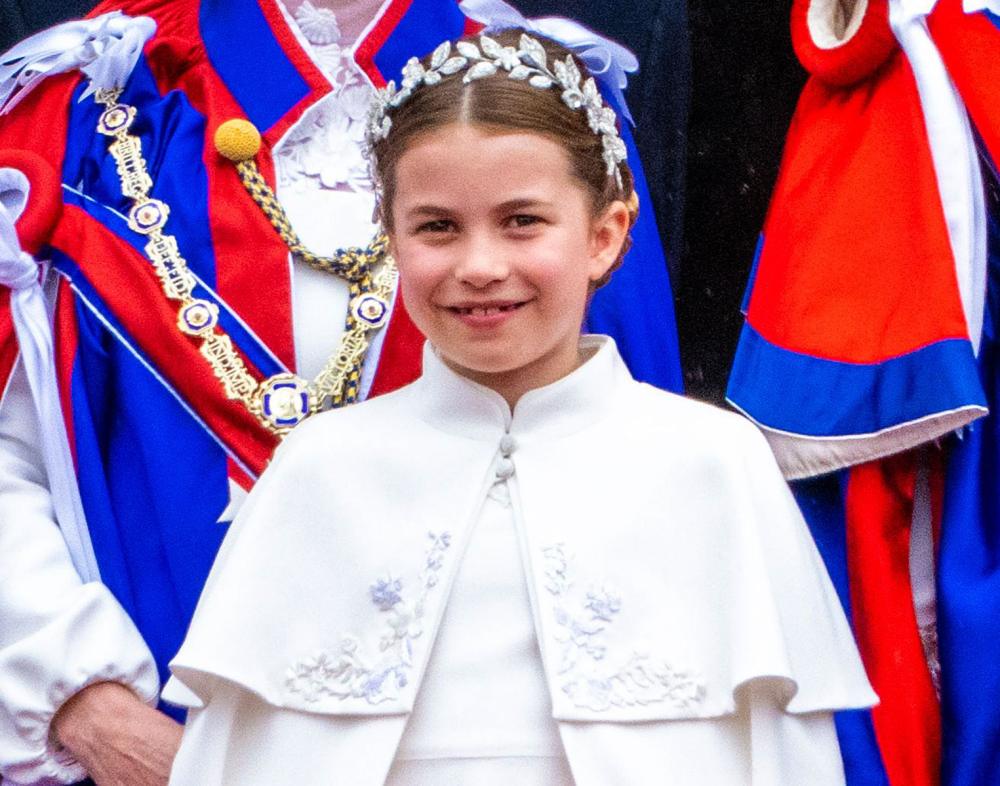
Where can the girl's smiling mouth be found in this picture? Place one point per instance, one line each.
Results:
(487, 309)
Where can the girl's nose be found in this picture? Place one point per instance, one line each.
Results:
(482, 263)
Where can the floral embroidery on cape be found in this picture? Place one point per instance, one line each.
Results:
(349, 672)
(590, 675)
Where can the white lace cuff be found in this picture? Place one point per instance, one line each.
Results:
(95, 642)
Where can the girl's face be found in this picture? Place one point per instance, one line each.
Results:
(497, 247)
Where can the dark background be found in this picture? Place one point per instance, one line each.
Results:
(743, 81)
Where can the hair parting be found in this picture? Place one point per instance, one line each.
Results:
(502, 104)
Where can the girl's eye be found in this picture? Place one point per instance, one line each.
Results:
(437, 226)
(523, 220)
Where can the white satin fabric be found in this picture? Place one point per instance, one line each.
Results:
(972, 6)
(647, 526)
(20, 273)
(106, 48)
(483, 716)
(607, 60)
(483, 713)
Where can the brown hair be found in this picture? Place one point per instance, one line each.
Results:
(498, 102)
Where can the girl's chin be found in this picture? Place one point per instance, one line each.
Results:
(481, 364)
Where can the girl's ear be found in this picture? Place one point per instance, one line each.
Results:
(608, 234)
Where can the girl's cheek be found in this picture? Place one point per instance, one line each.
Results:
(419, 276)
(432, 262)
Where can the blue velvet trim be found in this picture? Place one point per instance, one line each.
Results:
(172, 135)
(244, 52)
(968, 573)
(153, 481)
(813, 397)
(255, 351)
(636, 307)
(425, 24)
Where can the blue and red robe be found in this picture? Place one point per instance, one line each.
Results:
(861, 343)
(968, 574)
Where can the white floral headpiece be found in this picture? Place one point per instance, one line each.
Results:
(528, 62)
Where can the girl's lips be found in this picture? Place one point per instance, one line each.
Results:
(485, 315)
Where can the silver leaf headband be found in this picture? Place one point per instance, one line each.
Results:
(528, 63)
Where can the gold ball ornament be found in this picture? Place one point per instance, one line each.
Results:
(237, 140)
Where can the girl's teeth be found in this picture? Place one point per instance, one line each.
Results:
(484, 311)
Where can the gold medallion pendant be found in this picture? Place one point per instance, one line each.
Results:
(284, 400)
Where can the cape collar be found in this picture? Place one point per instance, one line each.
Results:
(284, 78)
(455, 404)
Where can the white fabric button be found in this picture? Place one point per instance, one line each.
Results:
(505, 468)
(507, 444)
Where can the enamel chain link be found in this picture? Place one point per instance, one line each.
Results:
(282, 401)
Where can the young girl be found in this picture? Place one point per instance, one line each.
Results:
(525, 567)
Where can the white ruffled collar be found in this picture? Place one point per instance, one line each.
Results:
(323, 150)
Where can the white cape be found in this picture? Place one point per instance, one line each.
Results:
(667, 562)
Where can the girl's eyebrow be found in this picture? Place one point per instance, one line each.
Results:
(427, 210)
(521, 203)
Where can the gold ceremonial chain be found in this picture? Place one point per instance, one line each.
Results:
(282, 401)
(239, 141)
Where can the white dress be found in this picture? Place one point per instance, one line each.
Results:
(482, 717)
(499, 664)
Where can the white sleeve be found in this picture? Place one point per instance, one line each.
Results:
(786, 747)
(57, 635)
